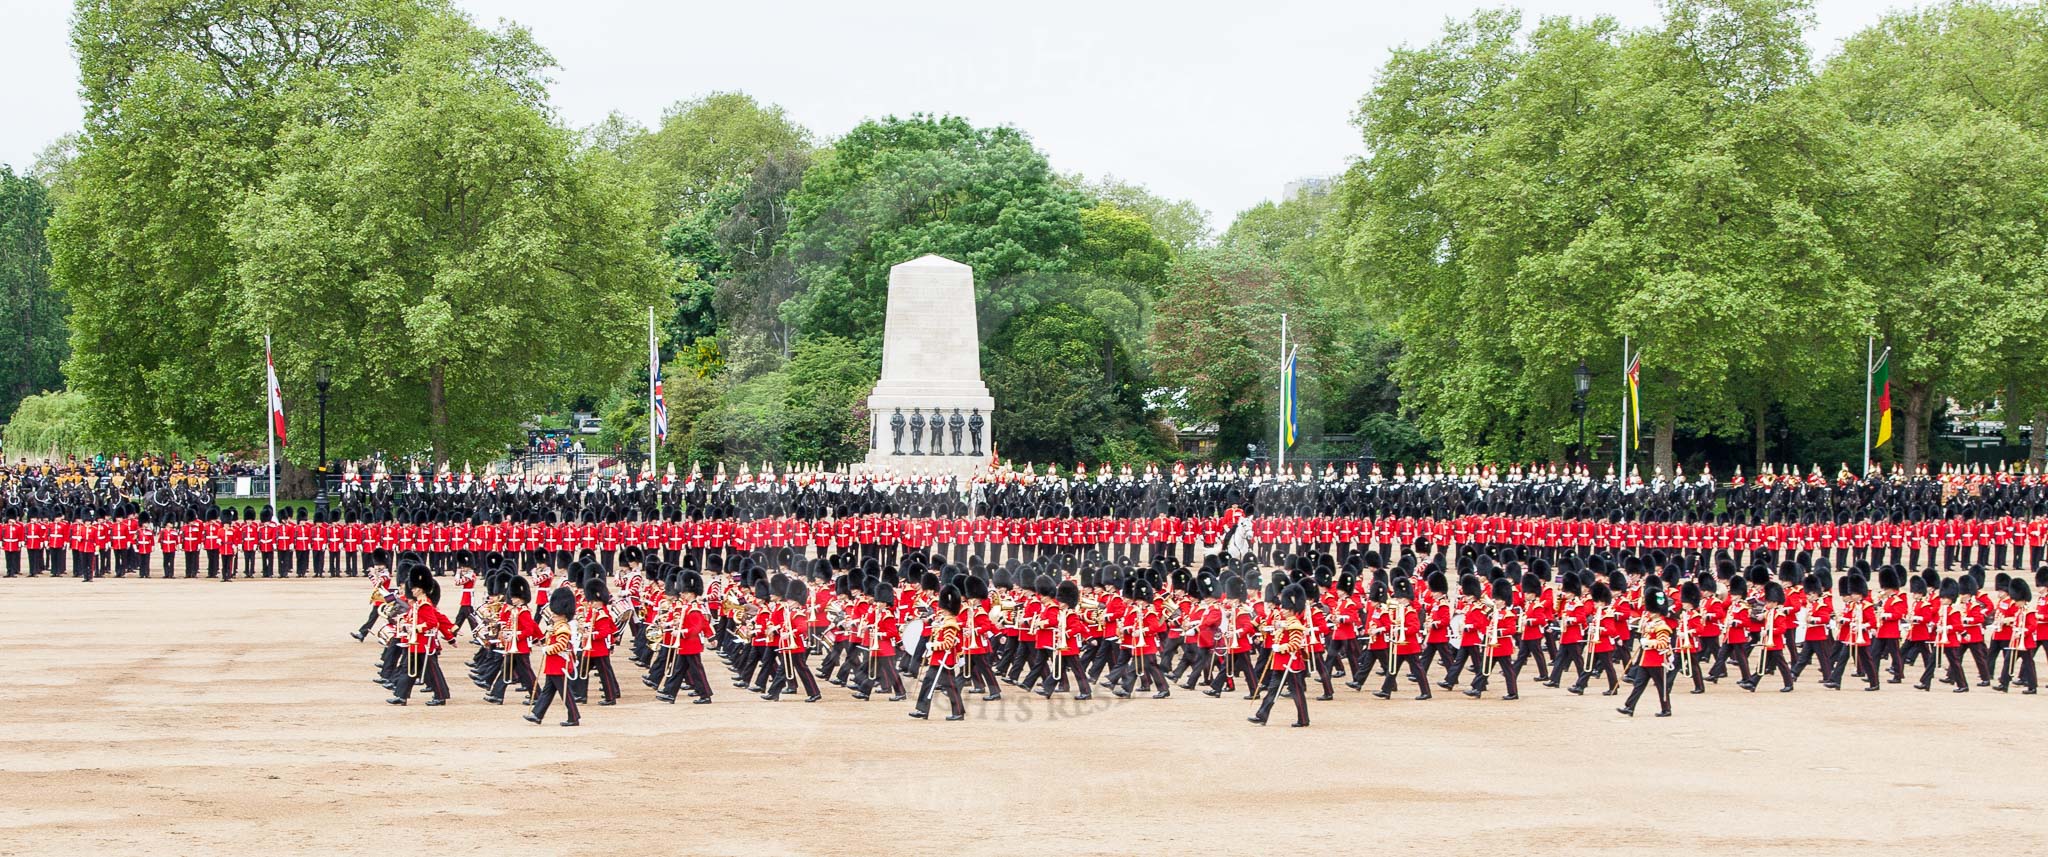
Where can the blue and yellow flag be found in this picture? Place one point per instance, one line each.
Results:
(1290, 401)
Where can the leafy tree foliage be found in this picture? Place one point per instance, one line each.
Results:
(32, 334)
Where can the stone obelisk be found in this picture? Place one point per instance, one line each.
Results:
(930, 413)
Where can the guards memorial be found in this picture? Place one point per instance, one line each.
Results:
(930, 413)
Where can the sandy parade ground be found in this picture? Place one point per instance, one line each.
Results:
(195, 717)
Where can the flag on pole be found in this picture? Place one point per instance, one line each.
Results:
(276, 395)
(1290, 400)
(658, 407)
(1635, 407)
(660, 410)
(1881, 379)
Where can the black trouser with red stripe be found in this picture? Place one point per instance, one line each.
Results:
(557, 685)
(428, 671)
(1656, 676)
(1297, 684)
(686, 668)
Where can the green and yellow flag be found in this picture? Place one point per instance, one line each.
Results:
(1881, 381)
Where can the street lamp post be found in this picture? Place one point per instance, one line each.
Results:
(1582, 383)
(322, 379)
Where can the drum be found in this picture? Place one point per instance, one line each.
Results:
(912, 631)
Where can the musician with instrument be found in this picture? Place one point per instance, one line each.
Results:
(1068, 630)
(1235, 630)
(1655, 652)
(1139, 637)
(560, 653)
(1500, 623)
(943, 659)
(1891, 604)
(1775, 629)
(874, 640)
(423, 630)
(1574, 616)
(2026, 633)
(1604, 627)
(1952, 633)
(789, 610)
(980, 629)
(1039, 611)
(684, 627)
(1404, 633)
(1288, 665)
(599, 628)
(1469, 626)
(1855, 623)
(519, 632)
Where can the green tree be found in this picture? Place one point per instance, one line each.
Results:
(894, 189)
(826, 405)
(706, 146)
(32, 335)
(49, 422)
(757, 274)
(1287, 232)
(1177, 222)
(1526, 204)
(432, 251)
(1216, 342)
(1055, 403)
(1944, 192)
(184, 107)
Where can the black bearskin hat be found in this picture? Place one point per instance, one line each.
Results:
(1294, 599)
(562, 602)
(1068, 594)
(519, 589)
(423, 580)
(1600, 593)
(949, 600)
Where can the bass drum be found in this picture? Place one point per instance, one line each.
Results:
(912, 630)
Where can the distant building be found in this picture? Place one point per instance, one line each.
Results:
(1304, 187)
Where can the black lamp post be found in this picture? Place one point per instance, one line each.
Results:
(322, 379)
(1582, 383)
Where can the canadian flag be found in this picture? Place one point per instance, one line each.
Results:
(276, 395)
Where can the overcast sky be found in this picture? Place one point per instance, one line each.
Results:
(1220, 103)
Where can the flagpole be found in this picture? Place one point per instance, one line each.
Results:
(269, 431)
(1280, 459)
(1869, 359)
(653, 355)
(1623, 445)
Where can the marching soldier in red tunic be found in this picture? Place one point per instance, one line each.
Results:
(1655, 652)
(1501, 623)
(1288, 665)
(1404, 633)
(422, 632)
(944, 659)
(561, 609)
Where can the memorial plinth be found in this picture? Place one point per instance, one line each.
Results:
(930, 412)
